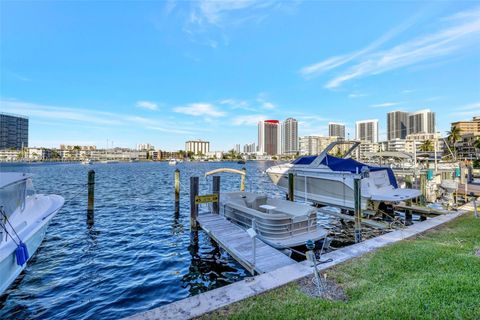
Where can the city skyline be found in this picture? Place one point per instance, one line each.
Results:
(169, 79)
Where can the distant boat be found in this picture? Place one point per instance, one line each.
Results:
(109, 161)
(24, 218)
(241, 162)
(87, 161)
(172, 162)
(133, 160)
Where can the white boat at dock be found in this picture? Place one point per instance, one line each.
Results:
(24, 219)
(87, 161)
(329, 180)
(281, 224)
(172, 162)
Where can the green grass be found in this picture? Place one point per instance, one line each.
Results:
(433, 276)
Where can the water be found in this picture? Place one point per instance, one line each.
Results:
(138, 255)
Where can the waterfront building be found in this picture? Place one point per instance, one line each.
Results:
(268, 137)
(422, 121)
(217, 155)
(198, 147)
(366, 149)
(289, 136)
(13, 131)
(145, 147)
(465, 148)
(314, 145)
(336, 130)
(417, 140)
(397, 123)
(249, 148)
(396, 144)
(77, 147)
(237, 148)
(367, 130)
(468, 127)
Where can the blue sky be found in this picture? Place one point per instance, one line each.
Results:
(165, 72)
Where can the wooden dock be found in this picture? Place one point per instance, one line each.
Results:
(471, 188)
(238, 244)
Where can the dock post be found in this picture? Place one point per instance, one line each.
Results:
(177, 190)
(91, 197)
(423, 185)
(216, 190)
(242, 180)
(193, 206)
(469, 174)
(291, 187)
(357, 191)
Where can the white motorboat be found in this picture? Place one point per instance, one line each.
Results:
(172, 162)
(87, 161)
(24, 218)
(328, 180)
(279, 223)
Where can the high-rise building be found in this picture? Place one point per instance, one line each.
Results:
(197, 147)
(289, 137)
(249, 148)
(422, 121)
(268, 136)
(13, 131)
(237, 148)
(397, 123)
(336, 130)
(367, 130)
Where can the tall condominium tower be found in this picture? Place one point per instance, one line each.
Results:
(289, 138)
(397, 123)
(336, 130)
(13, 131)
(367, 130)
(268, 136)
(422, 121)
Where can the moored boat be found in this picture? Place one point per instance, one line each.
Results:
(279, 223)
(24, 218)
(328, 180)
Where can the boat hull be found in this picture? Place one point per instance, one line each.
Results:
(325, 190)
(32, 237)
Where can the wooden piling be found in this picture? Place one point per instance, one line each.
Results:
(291, 187)
(242, 179)
(177, 191)
(216, 190)
(193, 206)
(91, 197)
(357, 194)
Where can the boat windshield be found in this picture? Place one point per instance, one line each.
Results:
(13, 197)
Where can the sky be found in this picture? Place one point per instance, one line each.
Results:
(167, 72)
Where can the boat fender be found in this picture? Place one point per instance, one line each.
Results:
(21, 253)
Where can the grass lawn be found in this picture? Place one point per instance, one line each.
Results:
(433, 276)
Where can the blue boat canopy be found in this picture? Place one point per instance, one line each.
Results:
(349, 165)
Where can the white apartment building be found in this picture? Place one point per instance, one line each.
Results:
(367, 130)
(197, 147)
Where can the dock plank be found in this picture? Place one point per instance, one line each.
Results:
(238, 244)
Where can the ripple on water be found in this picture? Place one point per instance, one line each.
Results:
(138, 255)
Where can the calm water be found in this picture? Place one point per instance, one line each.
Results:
(138, 254)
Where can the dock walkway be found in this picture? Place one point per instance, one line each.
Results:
(238, 244)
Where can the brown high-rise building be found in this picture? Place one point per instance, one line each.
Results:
(268, 136)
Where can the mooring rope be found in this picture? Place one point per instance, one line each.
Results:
(8, 221)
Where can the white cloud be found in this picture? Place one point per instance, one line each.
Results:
(357, 95)
(147, 105)
(469, 110)
(337, 61)
(236, 104)
(208, 21)
(463, 33)
(385, 104)
(264, 103)
(200, 109)
(248, 120)
(85, 117)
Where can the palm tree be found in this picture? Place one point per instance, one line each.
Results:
(426, 146)
(453, 137)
